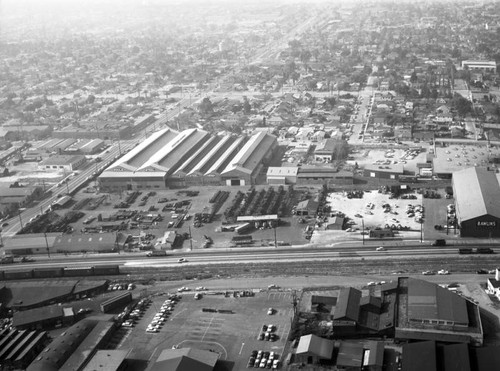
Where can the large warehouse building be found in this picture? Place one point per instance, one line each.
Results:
(169, 159)
(476, 193)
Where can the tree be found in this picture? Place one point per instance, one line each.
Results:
(462, 105)
(206, 107)
(246, 106)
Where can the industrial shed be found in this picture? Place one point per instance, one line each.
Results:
(244, 168)
(43, 318)
(312, 349)
(169, 159)
(476, 193)
(72, 349)
(19, 348)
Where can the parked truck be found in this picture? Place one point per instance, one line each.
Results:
(156, 253)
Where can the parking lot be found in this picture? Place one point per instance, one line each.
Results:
(233, 331)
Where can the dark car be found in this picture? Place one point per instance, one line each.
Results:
(440, 242)
(482, 271)
(261, 336)
(251, 362)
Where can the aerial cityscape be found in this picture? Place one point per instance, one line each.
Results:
(223, 185)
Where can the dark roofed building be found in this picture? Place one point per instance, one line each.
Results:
(39, 318)
(429, 303)
(61, 348)
(185, 359)
(419, 356)
(455, 357)
(487, 358)
(347, 307)
(426, 311)
(25, 295)
(108, 360)
(95, 339)
(350, 356)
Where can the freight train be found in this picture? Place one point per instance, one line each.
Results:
(99, 270)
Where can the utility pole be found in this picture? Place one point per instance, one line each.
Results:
(20, 219)
(190, 239)
(275, 239)
(363, 230)
(46, 243)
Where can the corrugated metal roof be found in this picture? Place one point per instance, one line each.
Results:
(348, 304)
(476, 193)
(428, 301)
(250, 156)
(141, 153)
(29, 316)
(419, 356)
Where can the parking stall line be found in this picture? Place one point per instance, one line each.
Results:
(208, 327)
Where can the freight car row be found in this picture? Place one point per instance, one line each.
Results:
(101, 270)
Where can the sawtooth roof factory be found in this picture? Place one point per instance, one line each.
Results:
(169, 159)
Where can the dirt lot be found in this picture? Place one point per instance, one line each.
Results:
(233, 335)
(28, 173)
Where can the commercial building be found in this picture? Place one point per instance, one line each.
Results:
(430, 312)
(324, 175)
(66, 163)
(282, 175)
(480, 66)
(476, 193)
(392, 172)
(168, 159)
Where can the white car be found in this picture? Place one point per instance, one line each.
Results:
(381, 248)
(270, 311)
(443, 272)
(182, 260)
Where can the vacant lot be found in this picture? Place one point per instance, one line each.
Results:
(233, 335)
